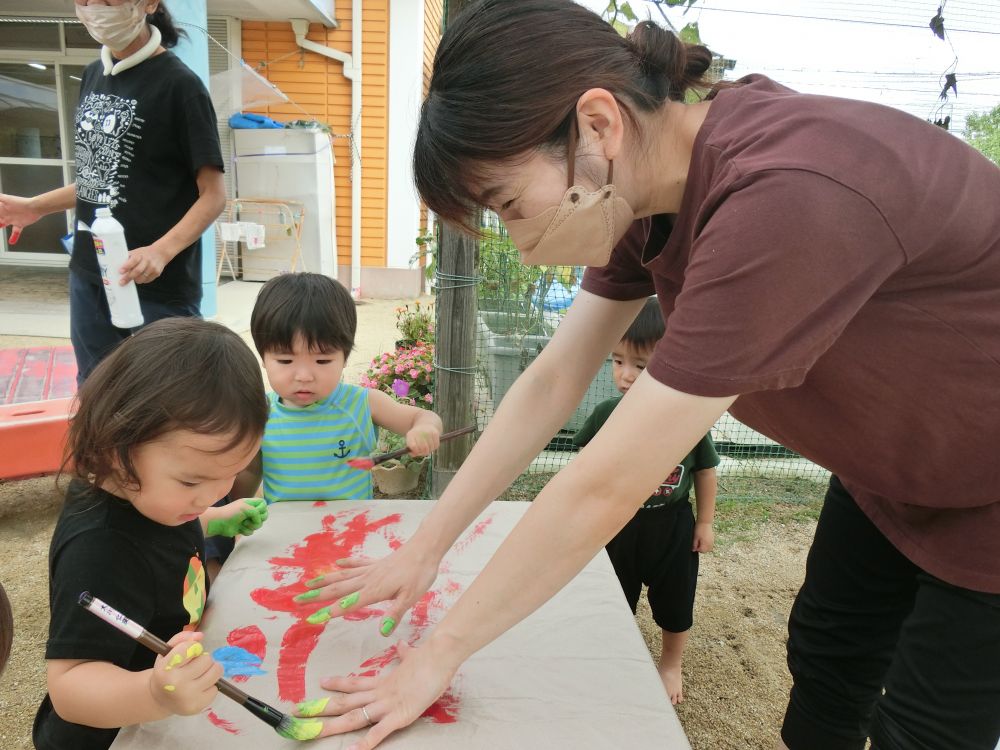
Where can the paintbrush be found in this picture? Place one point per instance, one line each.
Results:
(289, 727)
(370, 462)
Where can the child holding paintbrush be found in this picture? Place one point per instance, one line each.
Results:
(303, 326)
(164, 425)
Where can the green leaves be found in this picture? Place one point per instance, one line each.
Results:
(982, 131)
(691, 34)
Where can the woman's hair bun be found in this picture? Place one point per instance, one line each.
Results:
(666, 61)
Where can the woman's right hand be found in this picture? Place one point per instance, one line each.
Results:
(17, 213)
(399, 579)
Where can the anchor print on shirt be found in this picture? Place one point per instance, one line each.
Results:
(342, 450)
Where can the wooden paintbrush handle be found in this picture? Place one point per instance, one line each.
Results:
(397, 453)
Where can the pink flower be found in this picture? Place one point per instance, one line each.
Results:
(414, 372)
(428, 398)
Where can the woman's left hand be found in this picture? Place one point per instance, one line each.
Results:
(144, 264)
(391, 701)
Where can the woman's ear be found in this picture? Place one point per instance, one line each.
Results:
(601, 123)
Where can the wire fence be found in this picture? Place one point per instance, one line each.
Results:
(520, 308)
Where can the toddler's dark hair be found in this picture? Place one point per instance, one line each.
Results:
(310, 305)
(174, 374)
(647, 328)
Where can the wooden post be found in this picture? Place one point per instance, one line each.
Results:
(455, 351)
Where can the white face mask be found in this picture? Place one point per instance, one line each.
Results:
(114, 26)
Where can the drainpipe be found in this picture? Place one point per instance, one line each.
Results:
(352, 71)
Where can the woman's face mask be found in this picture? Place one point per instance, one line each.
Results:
(582, 230)
(114, 26)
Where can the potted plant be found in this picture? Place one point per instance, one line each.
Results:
(415, 325)
(406, 374)
(399, 475)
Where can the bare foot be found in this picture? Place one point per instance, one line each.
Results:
(671, 677)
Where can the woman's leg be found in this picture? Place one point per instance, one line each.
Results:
(843, 628)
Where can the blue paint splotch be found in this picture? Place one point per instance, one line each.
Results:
(238, 662)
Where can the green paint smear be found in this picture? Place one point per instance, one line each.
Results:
(300, 729)
(307, 596)
(350, 600)
(317, 581)
(311, 708)
(388, 625)
(319, 616)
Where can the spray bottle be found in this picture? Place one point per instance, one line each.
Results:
(112, 252)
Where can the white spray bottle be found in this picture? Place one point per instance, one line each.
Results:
(112, 252)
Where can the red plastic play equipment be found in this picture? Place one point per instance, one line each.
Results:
(32, 437)
(36, 398)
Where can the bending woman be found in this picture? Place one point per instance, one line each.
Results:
(147, 147)
(829, 271)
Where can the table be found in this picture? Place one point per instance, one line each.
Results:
(576, 673)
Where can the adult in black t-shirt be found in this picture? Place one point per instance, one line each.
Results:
(148, 571)
(146, 147)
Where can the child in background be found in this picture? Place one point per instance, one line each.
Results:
(303, 326)
(163, 427)
(659, 547)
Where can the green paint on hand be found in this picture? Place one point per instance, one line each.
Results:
(350, 600)
(388, 625)
(195, 649)
(317, 581)
(300, 729)
(311, 708)
(174, 661)
(304, 597)
(319, 616)
(170, 688)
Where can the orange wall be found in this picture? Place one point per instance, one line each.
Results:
(317, 84)
(433, 10)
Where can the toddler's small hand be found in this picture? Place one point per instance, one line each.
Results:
(243, 517)
(704, 537)
(422, 441)
(183, 681)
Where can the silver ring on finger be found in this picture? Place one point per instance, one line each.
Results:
(364, 710)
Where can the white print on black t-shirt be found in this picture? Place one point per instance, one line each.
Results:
(671, 483)
(106, 129)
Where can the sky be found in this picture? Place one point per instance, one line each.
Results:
(880, 50)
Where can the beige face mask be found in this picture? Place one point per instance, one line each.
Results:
(114, 26)
(582, 230)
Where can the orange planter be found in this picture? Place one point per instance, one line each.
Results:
(32, 437)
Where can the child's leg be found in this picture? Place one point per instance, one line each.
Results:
(671, 657)
(671, 570)
(622, 551)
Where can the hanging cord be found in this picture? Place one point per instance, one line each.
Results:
(350, 137)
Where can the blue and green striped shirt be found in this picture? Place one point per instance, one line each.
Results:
(305, 451)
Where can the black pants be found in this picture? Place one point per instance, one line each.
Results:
(654, 549)
(867, 619)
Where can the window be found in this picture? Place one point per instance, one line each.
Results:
(41, 64)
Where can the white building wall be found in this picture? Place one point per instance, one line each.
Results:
(406, 24)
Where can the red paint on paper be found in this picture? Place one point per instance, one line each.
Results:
(319, 504)
(298, 643)
(222, 723)
(444, 710)
(312, 557)
(344, 535)
(252, 639)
